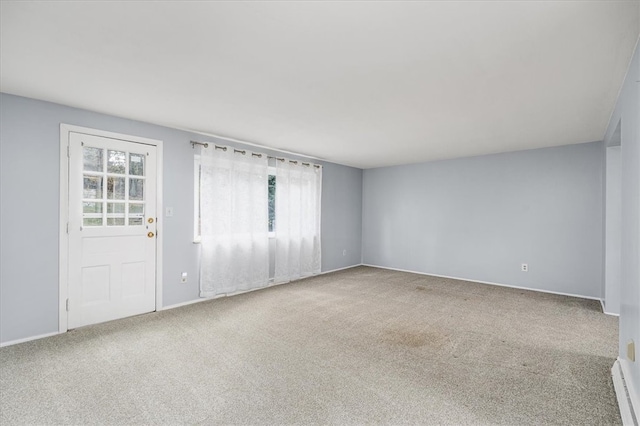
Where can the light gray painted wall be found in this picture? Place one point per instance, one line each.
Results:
(29, 196)
(613, 230)
(342, 186)
(627, 113)
(482, 217)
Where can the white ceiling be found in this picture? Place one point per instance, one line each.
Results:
(357, 83)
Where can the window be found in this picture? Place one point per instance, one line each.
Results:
(113, 187)
(197, 219)
(235, 214)
(272, 202)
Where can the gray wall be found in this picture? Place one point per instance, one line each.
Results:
(482, 217)
(29, 196)
(341, 186)
(613, 231)
(627, 113)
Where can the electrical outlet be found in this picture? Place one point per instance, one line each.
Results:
(525, 267)
(344, 252)
(183, 278)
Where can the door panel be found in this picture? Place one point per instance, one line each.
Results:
(112, 227)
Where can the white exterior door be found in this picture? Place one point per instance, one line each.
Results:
(112, 227)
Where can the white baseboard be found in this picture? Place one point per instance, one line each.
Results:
(28, 339)
(628, 399)
(604, 309)
(188, 302)
(271, 284)
(485, 282)
(340, 269)
(218, 296)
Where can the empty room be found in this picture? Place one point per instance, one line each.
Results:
(342, 212)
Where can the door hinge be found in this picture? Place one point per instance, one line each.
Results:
(67, 227)
(67, 305)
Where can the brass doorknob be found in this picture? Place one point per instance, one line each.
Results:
(150, 234)
(150, 220)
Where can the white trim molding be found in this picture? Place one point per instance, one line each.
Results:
(604, 309)
(28, 339)
(484, 282)
(339, 269)
(63, 237)
(628, 398)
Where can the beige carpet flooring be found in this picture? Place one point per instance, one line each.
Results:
(360, 346)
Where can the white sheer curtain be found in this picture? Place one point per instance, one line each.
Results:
(297, 220)
(234, 222)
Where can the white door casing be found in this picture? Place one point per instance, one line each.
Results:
(112, 202)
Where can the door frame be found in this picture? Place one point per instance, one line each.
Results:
(63, 250)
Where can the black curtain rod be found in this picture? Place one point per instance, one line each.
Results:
(255, 154)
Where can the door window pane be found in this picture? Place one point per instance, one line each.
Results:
(115, 188)
(115, 208)
(92, 159)
(116, 162)
(115, 221)
(91, 207)
(92, 187)
(136, 164)
(136, 189)
(135, 221)
(92, 221)
(136, 209)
